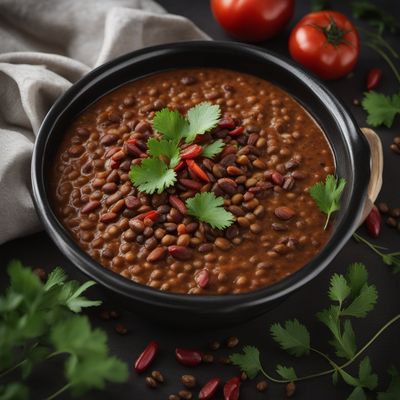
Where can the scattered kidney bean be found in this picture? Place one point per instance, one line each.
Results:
(208, 391)
(232, 341)
(180, 252)
(226, 123)
(202, 278)
(284, 213)
(232, 388)
(146, 357)
(188, 357)
(176, 202)
(236, 132)
(150, 381)
(185, 394)
(189, 381)
(373, 78)
(158, 376)
(373, 222)
(262, 386)
(290, 389)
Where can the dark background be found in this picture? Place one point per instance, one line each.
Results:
(39, 251)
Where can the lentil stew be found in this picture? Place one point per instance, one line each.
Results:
(274, 151)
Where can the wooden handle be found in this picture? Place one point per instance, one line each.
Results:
(376, 163)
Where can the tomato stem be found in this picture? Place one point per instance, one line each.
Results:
(333, 33)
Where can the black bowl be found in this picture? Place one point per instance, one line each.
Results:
(351, 152)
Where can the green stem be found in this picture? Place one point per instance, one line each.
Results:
(386, 58)
(381, 40)
(62, 390)
(11, 369)
(366, 242)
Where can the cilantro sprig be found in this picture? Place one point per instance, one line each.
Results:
(327, 195)
(39, 322)
(156, 173)
(352, 297)
(381, 109)
(206, 207)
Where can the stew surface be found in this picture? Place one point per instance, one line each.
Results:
(263, 174)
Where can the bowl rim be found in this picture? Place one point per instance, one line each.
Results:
(144, 293)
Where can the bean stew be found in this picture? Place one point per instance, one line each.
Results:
(273, 153)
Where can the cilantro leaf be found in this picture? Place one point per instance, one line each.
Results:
(152, 175)
(171, 124)
(208, 208)
(357, 394)
(327, 196)
(202, 118)
(356, 277)
(346, 345)
(363, 303)
(14, 391)
(338, 290)
(381, 109)
(286, 372)
(168, 148)
(248, 362)
(366, 377)
(294, 337)
(56, 277)
(212, 149)
(393, 390)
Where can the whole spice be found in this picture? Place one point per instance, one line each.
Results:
(151, 382)
(373, 78)
(373, 222)
(188, 357)
(208, 390)
(146, 357)
(231, 389)
(189, 381)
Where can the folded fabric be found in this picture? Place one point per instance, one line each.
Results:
(45, 46)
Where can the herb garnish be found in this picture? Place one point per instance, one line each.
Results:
(39, 322)
(156, 173)
(212, 149)
(208, 208)
(352, 296)
(381, 109)
(327, 195)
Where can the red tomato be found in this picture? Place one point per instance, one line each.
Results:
(325, 42)
(253, 20)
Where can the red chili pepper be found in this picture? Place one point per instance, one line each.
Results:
(226, 123)
(177, 203)
(114, 164)
(197, 170)
(131, 141)
(236, 132)
(208, 390)
(231, 389)
(146, 357)
(373, 78)
(373, 222)
(188, 357)
(180, 165)
(192, 151)
(153, 215)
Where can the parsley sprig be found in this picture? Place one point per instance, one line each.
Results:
(327, 195)
(352, 297)
(156, 173)
(40, 321)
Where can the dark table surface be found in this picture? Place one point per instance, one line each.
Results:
(39, 250)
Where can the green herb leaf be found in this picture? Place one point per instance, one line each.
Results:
(393, 390)
(319, 5)
(357, 394)
(171, 124)
(356, 277)
(212, 149)
(168, 148)
(202, 118)
(327, 196)
(248, 362)
(345, 344)
(338, 290)
(14, 391)
(152, 175)
(286, 372)
(294, 337)
(366, 377)
(381, 109)
(208, 208)
(363, 303)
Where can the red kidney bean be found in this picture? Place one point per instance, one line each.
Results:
(191, 184)
(177, 203)
(90, 206)
(277, 178)
(157, 254)
(227, 185)
(284, 213)
(202, 278)
(236, 132)
(132, 149)
(197, 170)
(108, 140)
(207, 392)
(180, 252)
(131, 202)
(108, 217)
(191, 151)
(188, 357)
(373, 78)
(231, 389)
(146, 357)
(373, 222)
(226, 123)
(114, 164)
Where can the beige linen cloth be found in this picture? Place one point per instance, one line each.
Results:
(45, 46)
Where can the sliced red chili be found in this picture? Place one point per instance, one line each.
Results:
(373, 222)
(197, 170)
(207, 392)
(373, 78)
(180, 165)
(231, 389)
(192, 151)
(146, 357)
(188, 357)
(153, 215)
(236, 132)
